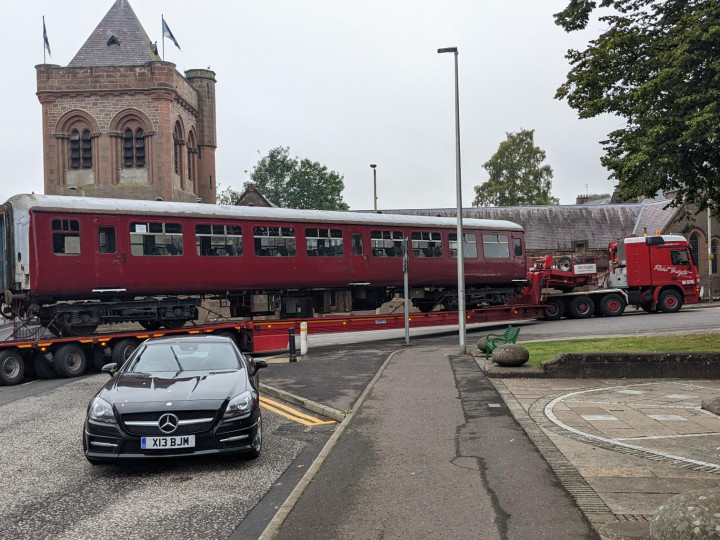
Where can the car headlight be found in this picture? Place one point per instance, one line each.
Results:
(101, 411)
(241, 404)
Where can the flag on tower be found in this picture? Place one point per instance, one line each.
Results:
(168, 34)
(45, 38)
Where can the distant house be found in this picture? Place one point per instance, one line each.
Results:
(252, 197)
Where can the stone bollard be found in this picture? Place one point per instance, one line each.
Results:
(693, 514)
(510, 355)
(482, 344)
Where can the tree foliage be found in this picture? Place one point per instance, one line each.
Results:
(228, 196)
(517, 175)
(657, 66)
(292, 182)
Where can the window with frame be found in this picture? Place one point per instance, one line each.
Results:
(274, 241)
(469, 246)
(156, 239)
(80, 149)
(694, 247)
(133, 148)
(177, 143)
(324, 242)
(218, 240)
(495, 246)
(715, 247)
(106, 240)
(66, 236)
(517, 247)
(679, 257)
(386, 243)
(426, 244)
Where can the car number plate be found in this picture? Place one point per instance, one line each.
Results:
(163, 443)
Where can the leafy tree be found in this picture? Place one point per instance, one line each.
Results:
(228, 196)
(294, 183)
(517, 175)
(657, 66)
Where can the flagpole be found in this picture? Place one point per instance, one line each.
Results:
(44, 30)
(162, 31)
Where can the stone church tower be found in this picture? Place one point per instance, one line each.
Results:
(119, 122)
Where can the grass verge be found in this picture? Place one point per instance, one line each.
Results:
(541, 351)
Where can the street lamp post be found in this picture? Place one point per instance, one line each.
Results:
(373, 166)
(460, 238)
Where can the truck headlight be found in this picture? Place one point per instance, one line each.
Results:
(241, 404)
(101, 411)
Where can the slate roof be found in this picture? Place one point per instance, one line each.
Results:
(131, 46)
(557, 227)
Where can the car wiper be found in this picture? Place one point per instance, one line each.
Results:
(172, 349)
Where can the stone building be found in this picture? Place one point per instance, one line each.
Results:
(252, 197)
(119, 122)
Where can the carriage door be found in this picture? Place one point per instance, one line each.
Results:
(3, 267)
(109, 258)
(359, 254)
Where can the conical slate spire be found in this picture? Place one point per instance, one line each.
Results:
(119, 40)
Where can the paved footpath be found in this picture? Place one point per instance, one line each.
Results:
(433, 452)
(621, 447)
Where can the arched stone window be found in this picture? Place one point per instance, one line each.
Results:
(80, 144)
(192, 160)
(714, 250)
(132, 131)
(134, 148)
(178, 141)
(77, 132)
(694, 246)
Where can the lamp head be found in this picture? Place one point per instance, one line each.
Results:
(448, 49)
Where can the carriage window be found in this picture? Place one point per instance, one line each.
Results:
(156, 239)
(426, 244)
(357, 248)
(469, 246)
(517, 245)
(275, 241)
(66, 236)
(106, 240)
(495, 246)
(387, 243)
(324, 242)
(218, 240)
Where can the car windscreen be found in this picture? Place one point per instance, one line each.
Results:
(189, 356)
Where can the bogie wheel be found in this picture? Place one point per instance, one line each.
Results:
(84, 330)
(70, 360)
(670, 301)
(581, 307)
(555, 310)
(612, 305)
(254, 453)
(150, 325)
(43, 369)
(122, 350)
(12, 367)
(174, 324)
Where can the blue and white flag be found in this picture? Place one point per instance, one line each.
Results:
(168, 34)
(45, 38)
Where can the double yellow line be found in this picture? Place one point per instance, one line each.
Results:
(290, 413)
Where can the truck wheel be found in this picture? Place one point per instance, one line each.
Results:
(581, 307)
(70, 360)
(555, 310)
(564, 264)
(12, 367)
(670, 301)
(612, 305)
(122, 350)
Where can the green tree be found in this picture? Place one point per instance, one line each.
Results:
(228, 196)
(517, 175)
(657, 66)
(294, 183)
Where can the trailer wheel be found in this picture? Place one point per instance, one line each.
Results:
(581, 307)
(43, 369)
(564, 264)
(122, 350)
(98, 359)
(670, 301)
(555, 310)
(612, 305)
(12, 367)
(70, 360)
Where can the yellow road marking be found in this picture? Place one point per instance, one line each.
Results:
(291, 414)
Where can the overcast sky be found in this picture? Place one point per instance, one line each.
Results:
(343, 83)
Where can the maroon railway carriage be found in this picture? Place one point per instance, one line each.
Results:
(78, 262)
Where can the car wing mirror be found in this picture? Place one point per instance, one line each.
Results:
(110, 369)
(255, 364)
